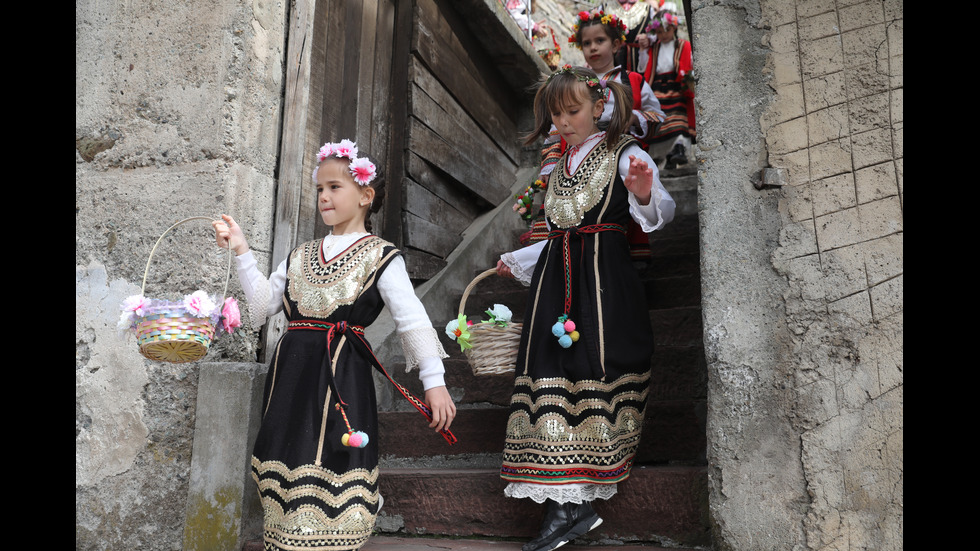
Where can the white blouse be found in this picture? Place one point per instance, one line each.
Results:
(419, 340)
(650, 217)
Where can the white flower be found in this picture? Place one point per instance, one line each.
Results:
(451, 329)
(199, 304)
(345, 148)
(363, 170)
(500, 313)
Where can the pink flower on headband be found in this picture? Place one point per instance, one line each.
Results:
(363, 170)
(325, 151)
(345, 148)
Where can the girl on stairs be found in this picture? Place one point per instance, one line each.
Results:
(315, 459)
(583, 364)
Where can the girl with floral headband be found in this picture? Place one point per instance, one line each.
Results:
(583, 364)
(673, 84)
(315, 459)
(600, 36)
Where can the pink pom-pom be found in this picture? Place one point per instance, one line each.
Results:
(569, 326)
(355, 440)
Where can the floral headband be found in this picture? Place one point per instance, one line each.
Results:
(610, 20)
(661, 20)
(590, 80)
(361, 168)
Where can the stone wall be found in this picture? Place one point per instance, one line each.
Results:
(802, 269)
(177, 110)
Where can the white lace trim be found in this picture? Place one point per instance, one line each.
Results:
(258, 307)
(419, 344)
(562, 493)
(520, 274)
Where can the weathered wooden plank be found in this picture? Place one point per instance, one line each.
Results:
(447, 120)
(433, 148)
(421, 265)
(432, 208)
(398, 136)
(365, 31)
(426, 236)
(476, 87)
(443, 186)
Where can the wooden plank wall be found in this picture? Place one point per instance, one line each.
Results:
(461, 138)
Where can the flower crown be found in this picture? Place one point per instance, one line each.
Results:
(361, 168)
(661, 20)
(590, 80)
(609, 20)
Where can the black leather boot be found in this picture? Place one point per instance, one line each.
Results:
(565, 524)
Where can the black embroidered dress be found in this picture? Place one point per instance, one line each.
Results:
(577, 412)
(317, 493)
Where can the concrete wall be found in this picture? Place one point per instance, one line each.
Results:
(177, 109)
(802, 270)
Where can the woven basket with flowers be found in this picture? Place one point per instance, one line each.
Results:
(490, 346)
(179, 331)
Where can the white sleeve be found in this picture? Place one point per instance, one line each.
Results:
(648, 104)
(660, 210)
(264, 295)
(420, 342)
(522, 261)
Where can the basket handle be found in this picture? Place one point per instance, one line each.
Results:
(224, 293)
(477, 279)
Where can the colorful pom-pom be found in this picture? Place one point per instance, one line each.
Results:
(569, 326)
(558, 329)
(574, 336)
(345, 439)
(364, 439)
(355, 440)
(565, 341)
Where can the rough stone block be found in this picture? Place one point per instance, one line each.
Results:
(880, 218)
(819, 26)
(872, 147)
(788, 136)
(827, 124)
(862, 46)
(855, 308)
(861, 15)
(870, 78)
(838, 229)
(825, 90)
(783, 39)
(876, 182)
(830, 159)
(844, 272)
(223, 508)
(833, 194)
(883, 258)
(869, 112)
(785, 106)
(888, 298)
(822, 56)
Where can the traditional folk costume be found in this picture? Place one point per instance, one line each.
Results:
(673, 65)
(318, 493)
(577, 412)
(636, 14)
(648, 113)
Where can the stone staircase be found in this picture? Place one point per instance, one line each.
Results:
(433, 489)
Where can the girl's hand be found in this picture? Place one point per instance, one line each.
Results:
(639, 180)
(442, 406)
(228, 234)
(503, 270)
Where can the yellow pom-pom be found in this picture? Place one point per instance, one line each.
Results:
(345, 439)
(574, 335)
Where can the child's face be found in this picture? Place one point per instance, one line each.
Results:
(341, 201)
(666, 33)
(576, 120)
(598, 48)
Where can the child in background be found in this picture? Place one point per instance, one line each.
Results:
(672, 83)
(315, 459)
(583, 365)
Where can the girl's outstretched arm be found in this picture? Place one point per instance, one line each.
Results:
(443, 408)
(639, 180)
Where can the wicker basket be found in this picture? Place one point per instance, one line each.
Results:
(494, 348)
(173, 335)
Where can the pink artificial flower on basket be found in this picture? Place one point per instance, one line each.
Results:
(199, 304)
(231, 316)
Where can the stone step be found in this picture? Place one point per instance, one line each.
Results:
(407, 543)
(673, 432)
(656, 504)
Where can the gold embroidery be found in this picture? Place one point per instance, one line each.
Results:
(320, 287)
(308, 524)
(632, 17)
(570, 197)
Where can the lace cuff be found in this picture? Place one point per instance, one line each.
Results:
(419, 344)
(520, 274)
(562, 493)
(258, 306)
